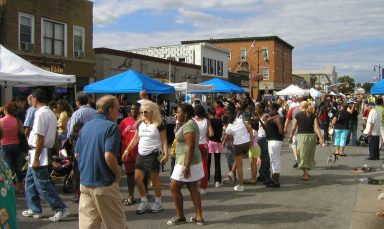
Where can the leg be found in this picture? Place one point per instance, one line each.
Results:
(46, 189)
(108, 201)
(253, 169)
(177, 197)
(217, 167)
(376, 148)
(265, 160)
(139, 179)
(305, 174)
(370, 147)
(209, 165)
(131, 185)
(204, 158)
(31, 193)
(196, 199)
(88, 214)
(239, 168)
(155, 178)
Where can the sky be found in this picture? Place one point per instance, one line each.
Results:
(348, 34)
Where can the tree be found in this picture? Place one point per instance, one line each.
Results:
(367, 87)
(347, 84)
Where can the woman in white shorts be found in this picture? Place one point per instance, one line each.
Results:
(189, 168)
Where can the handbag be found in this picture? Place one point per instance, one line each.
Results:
(331, 130)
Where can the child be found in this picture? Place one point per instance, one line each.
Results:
(254, 153)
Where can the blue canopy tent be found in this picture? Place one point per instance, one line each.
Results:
(221, 86)
(128, 82)
(378, 88)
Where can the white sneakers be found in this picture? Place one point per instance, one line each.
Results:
(57, 217)
(30, 213)
(218, 185)
(144, 207)
(203, 191)
(156, 207)
(239, 188)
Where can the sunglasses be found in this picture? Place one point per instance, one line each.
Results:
(144, 112)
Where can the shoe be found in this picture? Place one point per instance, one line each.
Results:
(156, 207)
(239, 188)
(260, 179)
(200, 222)
(296, 164)
(203, 191)
(372, 159)
(324, 145)
(268, 181)
(129, 201)
(59, 215)
(218, 185)
(273, 185)
(176, 220)
(30, 213)
(231, 175)
(143, 208)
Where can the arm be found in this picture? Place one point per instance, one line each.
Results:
(164, 142)
(249, 128)
(287, 121)
(113, 165)
(190, 142)
(39, 147)
(210, 129)
(132, 144)
(333, 122)
(293, 130)
(279, 124)
(317, 131)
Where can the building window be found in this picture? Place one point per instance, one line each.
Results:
(264, 53)
(181, 59)
(205, 65)
(53, 37)
(78, 42)
(220, 68)
(230, 55)
(26, 32)
(243, 54)
(211, 67)
(265, 74)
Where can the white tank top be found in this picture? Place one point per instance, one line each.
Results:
(203, 128)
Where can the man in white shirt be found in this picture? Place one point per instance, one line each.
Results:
(372, 129)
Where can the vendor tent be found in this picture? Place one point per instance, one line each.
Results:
(221, 86)
(190, 88)
(128, 82)
(15, 71)
(378, 88)
(292, 90)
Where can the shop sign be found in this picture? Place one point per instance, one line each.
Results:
(52, 67)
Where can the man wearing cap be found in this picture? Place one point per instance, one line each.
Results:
(372, 129)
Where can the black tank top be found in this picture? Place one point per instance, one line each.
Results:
(272, 131)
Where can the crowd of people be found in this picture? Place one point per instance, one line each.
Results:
(91, 141)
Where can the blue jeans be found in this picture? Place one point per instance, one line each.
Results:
(265, 167)
(37, 183)
(353, 132)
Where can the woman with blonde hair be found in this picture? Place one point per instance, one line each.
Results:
(152, 139)
(308, 127)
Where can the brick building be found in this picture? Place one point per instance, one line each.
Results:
(267, 60)
(53, 34)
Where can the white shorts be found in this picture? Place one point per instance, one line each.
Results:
(274, 148)
(197, 172)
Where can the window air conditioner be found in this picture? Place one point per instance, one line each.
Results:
(79, 54)
(26, 46)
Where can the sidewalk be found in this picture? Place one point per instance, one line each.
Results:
(366, 206)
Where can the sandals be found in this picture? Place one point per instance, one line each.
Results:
(176, 220)
(128, 202)
(342, 154)
(227, 180)
(199, 222)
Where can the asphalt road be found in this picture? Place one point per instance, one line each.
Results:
(327, 200)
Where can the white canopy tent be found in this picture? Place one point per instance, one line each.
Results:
(190, 88)
(15, 71)
(292, 90)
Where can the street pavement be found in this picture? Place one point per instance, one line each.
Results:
(330, 199)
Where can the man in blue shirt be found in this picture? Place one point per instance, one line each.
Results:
(97, 150)
(83, 114)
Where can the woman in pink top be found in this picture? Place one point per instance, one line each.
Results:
(11, 127)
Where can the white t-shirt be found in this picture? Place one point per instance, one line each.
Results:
(373, 118)
(149, 138)
(239, 132)
(261, 133)
(203, 129)
(44, 124)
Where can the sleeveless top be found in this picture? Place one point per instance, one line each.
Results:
(272, 131)
(203, 128)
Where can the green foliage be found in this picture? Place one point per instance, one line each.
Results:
(347, 84)
(367, 87)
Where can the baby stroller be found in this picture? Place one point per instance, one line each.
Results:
(363, 140)
(61, 170)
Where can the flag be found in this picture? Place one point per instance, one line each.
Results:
(254, 47)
